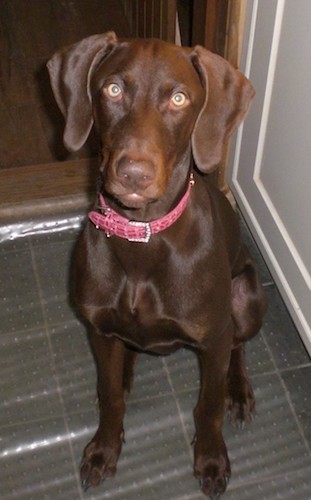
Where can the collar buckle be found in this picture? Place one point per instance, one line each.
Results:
(140, 239)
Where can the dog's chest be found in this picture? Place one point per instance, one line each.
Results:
(159, 301)
(145, 318)
(138, 303)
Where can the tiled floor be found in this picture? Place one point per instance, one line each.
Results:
(48, 410)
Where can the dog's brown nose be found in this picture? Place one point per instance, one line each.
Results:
(135, 174)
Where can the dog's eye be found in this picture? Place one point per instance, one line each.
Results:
(113, 90)
(178, 100)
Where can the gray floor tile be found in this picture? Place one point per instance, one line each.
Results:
(36, 462)
(53, 267)
(183, 368)
(150, 378)
(74, 365)
(281, 335)
(21, 305)
(28, 387)
(12, 245)
(297, 383)
(288, 486)
(258, 359)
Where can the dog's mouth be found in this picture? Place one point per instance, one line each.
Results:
(133, 200)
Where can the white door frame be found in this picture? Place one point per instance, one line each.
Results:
(247, 179)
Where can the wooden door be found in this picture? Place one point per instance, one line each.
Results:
(152, 18)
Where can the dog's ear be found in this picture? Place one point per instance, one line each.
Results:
(70, 72)
(228, 96)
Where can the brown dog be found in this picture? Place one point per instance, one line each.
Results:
(160, 264)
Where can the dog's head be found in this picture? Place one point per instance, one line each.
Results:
(149, 100)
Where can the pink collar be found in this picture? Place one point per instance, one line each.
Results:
(114, 224)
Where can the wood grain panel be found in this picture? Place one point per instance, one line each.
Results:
(30, 32)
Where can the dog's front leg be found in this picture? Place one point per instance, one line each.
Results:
(211, 463)
(101, 454)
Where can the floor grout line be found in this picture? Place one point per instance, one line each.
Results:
(58, 385)
(185, 433)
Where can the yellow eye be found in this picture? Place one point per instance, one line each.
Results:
(113, 90)
(179, 99)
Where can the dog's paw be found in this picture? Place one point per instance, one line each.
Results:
(99, 462)
(213, 474)
(240, 404)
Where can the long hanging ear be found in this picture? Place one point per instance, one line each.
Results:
(70, 72)
(228, 96)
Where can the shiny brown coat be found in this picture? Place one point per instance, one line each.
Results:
(161, 112)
